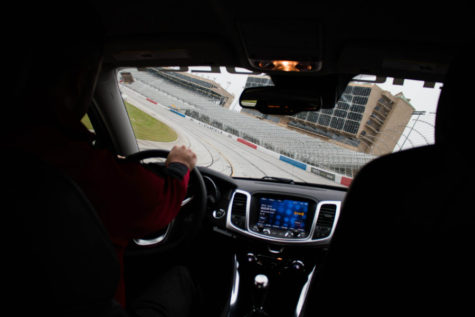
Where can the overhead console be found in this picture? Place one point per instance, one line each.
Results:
(284, 218)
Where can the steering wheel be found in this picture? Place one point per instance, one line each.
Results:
(186, 225)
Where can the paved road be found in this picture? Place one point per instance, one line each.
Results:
(218, 150)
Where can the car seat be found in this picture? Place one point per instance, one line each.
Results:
(59, 260)
(404, 240)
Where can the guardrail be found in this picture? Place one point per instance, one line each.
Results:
(177, 112)
(330, 175)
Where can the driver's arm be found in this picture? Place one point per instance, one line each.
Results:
(157, 197)
(179, 161)
(131, 200)
(183, 155)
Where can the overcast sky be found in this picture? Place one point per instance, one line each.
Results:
(422, 99)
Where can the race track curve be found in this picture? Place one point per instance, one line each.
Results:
(216, 149)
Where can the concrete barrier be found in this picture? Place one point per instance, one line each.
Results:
(293, 162)
(152, 101)
(250, 144)
(177, 112)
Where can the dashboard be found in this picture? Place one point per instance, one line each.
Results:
(271, 211)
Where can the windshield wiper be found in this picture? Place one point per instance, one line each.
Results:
(279, 179)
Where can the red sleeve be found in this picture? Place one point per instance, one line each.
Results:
(131, 200)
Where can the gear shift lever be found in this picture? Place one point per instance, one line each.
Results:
(261, 282)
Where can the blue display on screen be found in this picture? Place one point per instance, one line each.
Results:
(282, 214)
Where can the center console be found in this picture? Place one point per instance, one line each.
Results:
(273, 272)
(269, 285)
(281, 234)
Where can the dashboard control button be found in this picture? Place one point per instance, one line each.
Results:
(261, 281)
(218, 214)
(297, 265)
(251, 258)
(275, 251)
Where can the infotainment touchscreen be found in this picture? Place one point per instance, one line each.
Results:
(282, 214)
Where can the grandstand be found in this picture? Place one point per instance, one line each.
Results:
(194, 83)
(206, 107)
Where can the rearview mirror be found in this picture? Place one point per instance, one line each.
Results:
(273, 100)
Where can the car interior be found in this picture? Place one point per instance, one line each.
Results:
(398, 239)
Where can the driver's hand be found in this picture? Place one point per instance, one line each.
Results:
(183, 155)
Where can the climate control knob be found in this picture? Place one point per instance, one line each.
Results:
(251, 258)
(297, 265)
(289, 234)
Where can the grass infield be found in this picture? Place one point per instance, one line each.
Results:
(145, 126)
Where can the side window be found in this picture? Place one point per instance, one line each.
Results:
(87, 123)
(92, 122)
(147, 128)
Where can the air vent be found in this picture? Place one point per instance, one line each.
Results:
(238, 210)
(325, 220)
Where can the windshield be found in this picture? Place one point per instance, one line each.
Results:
(199, 107)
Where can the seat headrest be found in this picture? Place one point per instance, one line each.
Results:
(455, 109)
